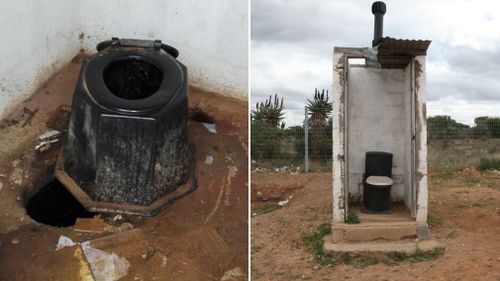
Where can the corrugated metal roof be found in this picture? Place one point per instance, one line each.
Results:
(397, 53)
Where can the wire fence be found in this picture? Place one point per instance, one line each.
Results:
(284, 147)
(454, 146)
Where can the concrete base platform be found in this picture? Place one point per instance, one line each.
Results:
(409, 247)
(397, 225)
(375, 231)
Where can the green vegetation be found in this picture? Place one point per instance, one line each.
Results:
(274, 146)
(269, 112)
(314, 243)
(489, 164)
(452, 234)
(352, 218)
(454, 146)
(319, 110)
(434, 220)
(268, 208)
(459, 154)
(445, 128)
(419, 256)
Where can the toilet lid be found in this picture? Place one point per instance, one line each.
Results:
(379, 181)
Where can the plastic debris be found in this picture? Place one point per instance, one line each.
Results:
(64, 242)
(117, 217)
(44, 145)
(105, 266)
(234, 274)
(210, 127)
(209, 160)
(283, 203)
(49, 135)
(123, 227)
(46, 139)
(163, 260)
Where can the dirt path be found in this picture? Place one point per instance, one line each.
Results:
(465, 216)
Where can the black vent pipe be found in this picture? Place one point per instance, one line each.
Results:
(378, 9)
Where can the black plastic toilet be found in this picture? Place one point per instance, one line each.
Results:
(131, 76)
(377, 182)
(127, 138)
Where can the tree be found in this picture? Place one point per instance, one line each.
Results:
(269, 112)
(319, 110)
(267, 128)
(443, 127)
(486, 127)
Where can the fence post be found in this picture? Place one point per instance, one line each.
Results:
(306, 141)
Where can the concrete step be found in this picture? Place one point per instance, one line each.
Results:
(378, 231)
(408, 246)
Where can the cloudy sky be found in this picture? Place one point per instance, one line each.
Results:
(293, 40)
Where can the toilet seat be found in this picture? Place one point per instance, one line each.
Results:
(172, 81)
(379, 181)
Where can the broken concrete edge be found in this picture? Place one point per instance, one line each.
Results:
(408, 247)
(115, 208)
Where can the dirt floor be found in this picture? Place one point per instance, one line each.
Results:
(464, 216)
(202, 236)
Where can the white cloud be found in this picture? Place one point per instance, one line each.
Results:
(292, 43)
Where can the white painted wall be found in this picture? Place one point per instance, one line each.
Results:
(338, 146)
(409, 194)
(211, 36)
(41, 36)
(38, 38)
(421, 137)
(411, 84)
(378, 120)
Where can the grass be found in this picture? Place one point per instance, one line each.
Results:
(314, 243)
(444, 155)
(461, 153)
(434, 221)
(352, 218)
(452, 234)
(419, 256)
(268, 208)
(489, 164)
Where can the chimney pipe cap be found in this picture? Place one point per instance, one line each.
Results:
(378, 7)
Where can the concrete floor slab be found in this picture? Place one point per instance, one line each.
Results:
(409, 247)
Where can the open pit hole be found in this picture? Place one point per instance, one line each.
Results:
(132, 78)
(196, 114)
(54, 205)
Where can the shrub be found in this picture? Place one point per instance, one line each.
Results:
(489, 164)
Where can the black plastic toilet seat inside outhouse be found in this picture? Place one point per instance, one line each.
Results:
(171, 77)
